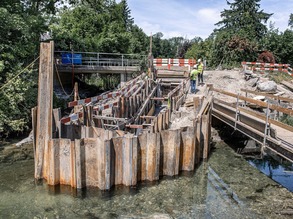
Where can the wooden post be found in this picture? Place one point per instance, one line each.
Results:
(75, 96)
(206, 137)
(123, 107)
(89, 112)
(130, 99)
(134, 105)
(45, 106)
(118, 112)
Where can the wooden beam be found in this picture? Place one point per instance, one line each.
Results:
(257, 102)
(142, 108)
(147, 117)
(175, 90)
(287, 84)
(258, 115)
(268, 95)
(263, 117)
(137, 126)
(159, 98)
(110, 118)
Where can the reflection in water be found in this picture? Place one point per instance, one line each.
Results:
(280, 172)
(226, 193)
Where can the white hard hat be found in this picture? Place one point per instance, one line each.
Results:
(195, 66)
(199, 60)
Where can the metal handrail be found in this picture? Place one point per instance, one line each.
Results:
(98, 59)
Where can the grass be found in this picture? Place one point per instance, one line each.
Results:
(278, 77)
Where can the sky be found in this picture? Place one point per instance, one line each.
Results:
(195, 18)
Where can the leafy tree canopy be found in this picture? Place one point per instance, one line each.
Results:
(244, 18)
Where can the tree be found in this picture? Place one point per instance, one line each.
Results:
(240, 32)
(124, 12)
(200, 48)
(290, 23)
(22, 22)
(245, 19)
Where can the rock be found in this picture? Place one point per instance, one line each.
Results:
(252, 82)
(27, 140)
(269, 86)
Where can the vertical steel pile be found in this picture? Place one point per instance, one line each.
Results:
(110, 159)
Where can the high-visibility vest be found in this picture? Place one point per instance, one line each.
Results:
(200, 67)
(193, 74)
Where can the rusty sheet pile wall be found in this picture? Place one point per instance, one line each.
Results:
(108, 159)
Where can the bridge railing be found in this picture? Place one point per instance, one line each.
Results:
(98, 59)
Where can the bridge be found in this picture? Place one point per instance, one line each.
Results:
(69, 63)
(132, 134)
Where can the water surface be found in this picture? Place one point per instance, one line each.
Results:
(226, 186)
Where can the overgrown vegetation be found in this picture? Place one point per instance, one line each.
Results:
(107, 26)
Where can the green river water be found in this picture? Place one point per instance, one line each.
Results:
(226, 186)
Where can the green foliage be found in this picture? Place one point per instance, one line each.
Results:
(102, 26)
(280, 44)
(21, 23)
(16, 101)
(287, 119)
(244, 19)
(241, 29)
(175, 47)
(201, 49)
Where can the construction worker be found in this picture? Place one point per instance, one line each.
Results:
(200, 69)
(193, 76)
